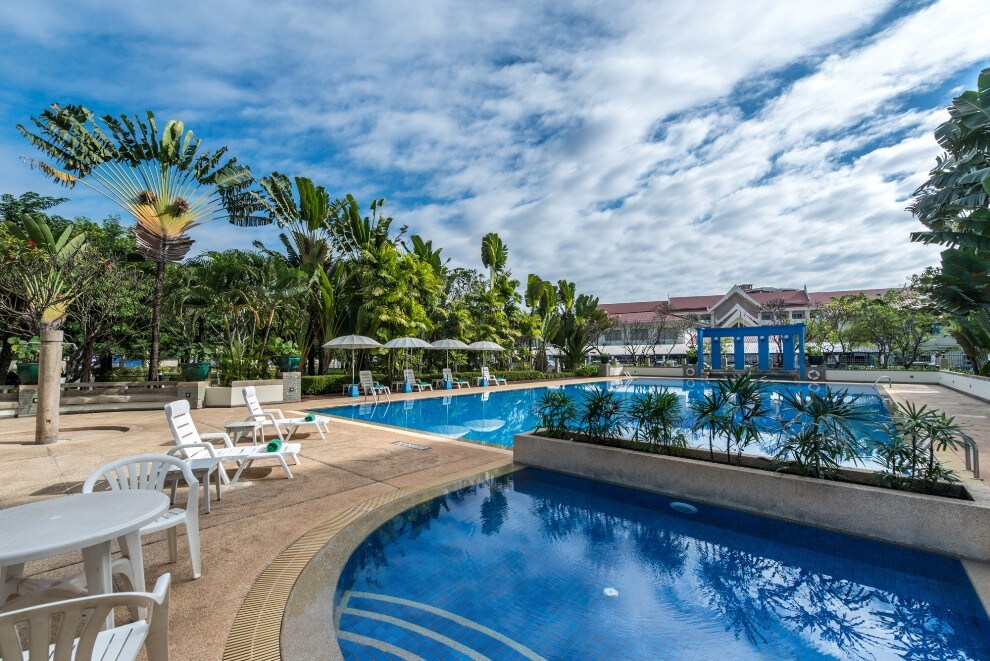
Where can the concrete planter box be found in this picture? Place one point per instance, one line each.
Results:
(940, 525)
(657, 372)
(269, 391)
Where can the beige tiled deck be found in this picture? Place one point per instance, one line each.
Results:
(254, 524)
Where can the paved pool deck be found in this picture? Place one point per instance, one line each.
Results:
(257, 521)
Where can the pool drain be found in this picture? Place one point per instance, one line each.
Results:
(684, 508)
(611, 592)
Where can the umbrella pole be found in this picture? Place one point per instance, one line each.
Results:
(352, 391)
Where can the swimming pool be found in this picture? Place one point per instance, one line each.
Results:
(496, 416)
(535, 564)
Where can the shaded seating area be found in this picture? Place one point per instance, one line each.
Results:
(791, 342)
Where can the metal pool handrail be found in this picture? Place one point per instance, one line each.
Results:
(881, 378)
(969, 445)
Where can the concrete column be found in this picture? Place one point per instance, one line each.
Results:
(193, 392)
(788, 350)
(49, 378)
(739, 352)
(716, 353)
(763, 352)
(291, 386)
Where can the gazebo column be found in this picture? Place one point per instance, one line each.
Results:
(739, 348)
(716, 353)
(763, 352)
(788, 350)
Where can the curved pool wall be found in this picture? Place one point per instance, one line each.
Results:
(494, 416)
(536, 564)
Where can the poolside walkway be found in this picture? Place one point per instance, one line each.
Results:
(252, 524)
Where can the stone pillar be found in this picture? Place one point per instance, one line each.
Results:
(193, 392)
(49, 380)
(291, 386)
(27, 400)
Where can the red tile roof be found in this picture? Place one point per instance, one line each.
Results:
(799, 298)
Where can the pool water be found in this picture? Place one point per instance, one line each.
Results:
(496, 416)
(535, 564)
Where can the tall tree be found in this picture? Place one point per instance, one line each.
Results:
(162, 180)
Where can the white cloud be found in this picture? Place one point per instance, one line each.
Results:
(537, 120)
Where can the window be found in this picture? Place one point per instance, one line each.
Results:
(797, 315)
(767, 316)
(706, 318)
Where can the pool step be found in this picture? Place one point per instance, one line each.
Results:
(385, 627)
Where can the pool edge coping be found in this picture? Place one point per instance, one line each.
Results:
(256, 632)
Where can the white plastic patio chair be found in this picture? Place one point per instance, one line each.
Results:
(191, 444)
(277, 419)
(149, 471)
(28, 633)
(449, 376)
(370, 387)
(410, 377)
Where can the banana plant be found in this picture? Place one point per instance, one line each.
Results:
(160, 178)
(42, 272)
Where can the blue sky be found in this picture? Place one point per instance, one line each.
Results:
(641, 149)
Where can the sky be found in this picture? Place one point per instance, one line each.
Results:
(640, 149)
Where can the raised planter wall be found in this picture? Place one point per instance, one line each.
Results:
(268, 391)
(661, 372)
(870, 376)
(940, 525)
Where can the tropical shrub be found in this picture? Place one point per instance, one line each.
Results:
(909, 460)
(555, 410)
(820, 437)
(744, 406)
(25, 351)
(602, 416)
(586, 371)
(710, 417)
(280, 347)
(657, 417)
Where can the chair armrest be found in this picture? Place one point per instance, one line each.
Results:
(219, 436)
(179, 448)
(281, 416)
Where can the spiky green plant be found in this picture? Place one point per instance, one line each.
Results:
(657, 416)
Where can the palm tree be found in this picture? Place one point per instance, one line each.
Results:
(307, 221)
(494, 256)
(162, 180)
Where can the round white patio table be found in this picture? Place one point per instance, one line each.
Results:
(87, 521)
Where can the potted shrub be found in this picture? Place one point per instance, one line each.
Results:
(814, 354)
(26, 354)
(286, 354)
(198, 369)
(692, 355)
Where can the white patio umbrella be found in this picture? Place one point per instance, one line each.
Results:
(447, 345)
(407, 343)
(484, 347)
(352, 342)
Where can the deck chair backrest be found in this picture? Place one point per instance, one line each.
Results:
(73, 625)
(485, 374)
(409, 375)
(251, 399)
(366, 379)
(181, 423)
(143, 471)
(447, 374)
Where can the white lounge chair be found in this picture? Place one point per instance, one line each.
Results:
(191, 444)
(449, 376)
(275, 418)
(371, 387)
(487, 376)
(410, 377)
(149, 471)
(62, 620)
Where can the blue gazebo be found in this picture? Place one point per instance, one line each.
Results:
(789, 334)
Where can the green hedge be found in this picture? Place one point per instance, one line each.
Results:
(332, 384)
